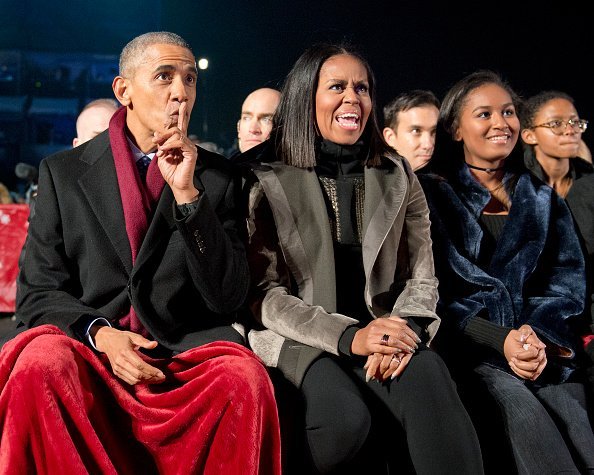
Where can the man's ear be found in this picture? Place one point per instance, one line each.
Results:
(75, 141)
(528, 136)
(389, 136)
(120, 88)
(238, 122)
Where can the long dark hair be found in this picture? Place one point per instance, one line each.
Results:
(295, 132)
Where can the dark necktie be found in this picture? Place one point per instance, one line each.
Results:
(143, 164)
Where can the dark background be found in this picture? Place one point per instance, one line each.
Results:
(55, 56)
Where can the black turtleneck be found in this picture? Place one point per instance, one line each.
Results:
(334, 159)
(340, 169)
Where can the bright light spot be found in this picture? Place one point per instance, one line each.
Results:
(203, 63)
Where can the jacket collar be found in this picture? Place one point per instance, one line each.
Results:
(100, 186)
(578, 167)
(294, 192)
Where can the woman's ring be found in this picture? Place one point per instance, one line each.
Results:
(385, 339)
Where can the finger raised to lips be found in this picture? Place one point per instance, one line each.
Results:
(182, 119)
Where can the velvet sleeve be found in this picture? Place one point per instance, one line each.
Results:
(556, 292)
(460, 292)
(273, 302)
(419, 295)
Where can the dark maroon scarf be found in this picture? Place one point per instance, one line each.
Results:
(138, 199)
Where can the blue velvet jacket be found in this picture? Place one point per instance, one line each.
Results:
(536, 275)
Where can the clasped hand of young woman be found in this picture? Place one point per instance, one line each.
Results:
(389, 343)
(525, 353)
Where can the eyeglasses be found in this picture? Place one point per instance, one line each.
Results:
(558, 126)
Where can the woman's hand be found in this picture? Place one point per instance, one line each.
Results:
(383, 367)
(525, 353)
(386, 336)
(389, 344)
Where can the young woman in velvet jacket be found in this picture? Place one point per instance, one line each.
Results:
(344, 290)
(512, 279)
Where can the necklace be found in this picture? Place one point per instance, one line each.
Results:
(488, 170)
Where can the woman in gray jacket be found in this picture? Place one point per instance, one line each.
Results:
(344, 291)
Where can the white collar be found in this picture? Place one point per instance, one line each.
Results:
(138, 154)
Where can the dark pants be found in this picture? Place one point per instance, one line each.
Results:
(415, 423)
(548, 426)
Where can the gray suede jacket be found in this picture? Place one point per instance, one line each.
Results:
(290, 250)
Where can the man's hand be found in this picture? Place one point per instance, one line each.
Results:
(525, 353)
(121, 348)
(177, 156)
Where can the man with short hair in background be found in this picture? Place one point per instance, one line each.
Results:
(410, 122)
(94, 119)
(255, 122)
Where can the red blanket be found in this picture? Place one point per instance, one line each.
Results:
(63, 411)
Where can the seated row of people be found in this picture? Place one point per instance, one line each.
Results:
(551, 133)
(170, 312)
(512, 277)
(512, 292)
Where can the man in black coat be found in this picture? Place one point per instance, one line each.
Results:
(182, 269)
(133, 263)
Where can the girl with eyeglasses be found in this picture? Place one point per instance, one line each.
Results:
(552, 132)
(511, 284)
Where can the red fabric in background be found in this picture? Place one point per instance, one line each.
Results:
(13, 231)
(587, 339)
(63, 411)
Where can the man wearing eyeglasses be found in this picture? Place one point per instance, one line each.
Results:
(552, 132)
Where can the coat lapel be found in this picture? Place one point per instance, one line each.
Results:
(524, 235)
(304, 230)
(100, 186)
(384, 195)
(160, 228)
